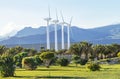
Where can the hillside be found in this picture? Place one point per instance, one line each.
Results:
(102, 35)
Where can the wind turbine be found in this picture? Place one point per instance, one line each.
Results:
(68, 30)
(63, 44)
(55, 26)
(48, 19)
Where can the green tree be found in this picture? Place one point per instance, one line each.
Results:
(2, 49)
(31, 52)
(76, 59)
(63, 62)
(81, 49)
(37, 60)
(29, 63)
(7, 67)
(18, 58)
(47, 57)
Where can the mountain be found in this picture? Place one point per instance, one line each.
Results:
(27, 31)
(101, 35)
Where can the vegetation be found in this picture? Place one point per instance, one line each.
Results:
(94, 67)
(76, 59)
(69, 72)
(47, 58)
(29, 63)
(83, 53)
(63, 62)
(118, 54)
(7, 66)
(18, 58)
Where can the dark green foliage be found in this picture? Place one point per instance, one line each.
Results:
(2, 49)
(47, 58)
(18, 58)
(29, 63)
(53, 61)
(37, 60)
(83, 61)
(63, 62)
(76, 59)
(31, 52)
(94, 67)
(7, 66)
(47, 55)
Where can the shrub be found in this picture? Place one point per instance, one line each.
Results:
(18, 58)
(63, 62)
(83, 61)
(76, 59)
(37, 60)
(7, 66)
(94, 67)
(29, 63)
(47, 58)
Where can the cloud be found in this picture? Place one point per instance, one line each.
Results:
(10, 29)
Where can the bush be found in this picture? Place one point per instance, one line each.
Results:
(76, 59)
(63, 62)
(83, 61)
(94, 67)
(47, 58)
(18, 58)
(29, 63)
(7, 66)
(37, 59)
(53, 61)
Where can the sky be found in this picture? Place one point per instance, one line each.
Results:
(17, 14)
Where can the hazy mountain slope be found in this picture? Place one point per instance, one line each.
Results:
(102, 35)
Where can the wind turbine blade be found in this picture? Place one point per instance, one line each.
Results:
(56, 15)
(49, 11)
(62, 16)
(71, 20)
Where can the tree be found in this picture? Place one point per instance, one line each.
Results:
(75, 49)
(80, 49)
(63, 62)
(7, 67)
(2, 50)
(76, 59)
(18, 58)
(37, 60)
(31, 52)
(86, 49)
(98, 51)
(29, 63)
(47, 57)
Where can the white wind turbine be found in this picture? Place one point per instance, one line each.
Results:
(63, 44)
(68, 30)
(55, 26)
(48, 19)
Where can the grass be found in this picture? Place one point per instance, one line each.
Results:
(70, 72)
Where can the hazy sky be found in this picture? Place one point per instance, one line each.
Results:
(16, 14)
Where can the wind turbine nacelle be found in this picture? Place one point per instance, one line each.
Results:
(55, 21)
(47, 19)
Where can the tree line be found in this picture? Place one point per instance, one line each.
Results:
(82, 52)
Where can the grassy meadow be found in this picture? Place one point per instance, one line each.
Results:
(69, 72)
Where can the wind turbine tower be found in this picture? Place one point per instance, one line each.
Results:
(68, 30)
(55, 26)
(48, 19)
(62, 31)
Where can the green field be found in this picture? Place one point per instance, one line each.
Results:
(70, 72)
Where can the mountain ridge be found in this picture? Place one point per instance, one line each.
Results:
(100, 35)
